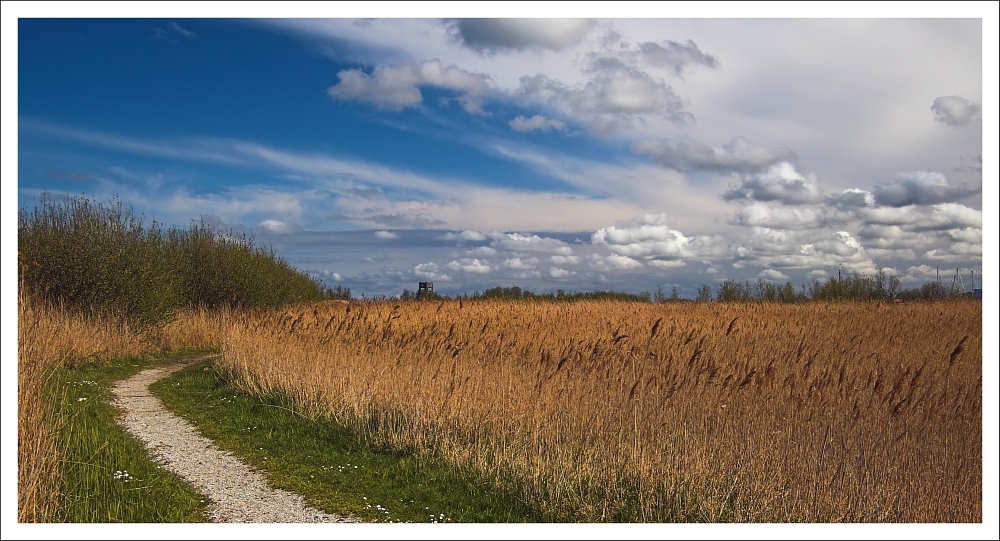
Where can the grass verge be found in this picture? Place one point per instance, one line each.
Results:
(332, 467)
(107, 474)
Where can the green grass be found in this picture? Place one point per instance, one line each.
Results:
(108, 475)
(332, 467)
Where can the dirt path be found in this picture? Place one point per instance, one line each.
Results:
(240, 493)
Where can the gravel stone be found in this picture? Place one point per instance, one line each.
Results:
(240, 493)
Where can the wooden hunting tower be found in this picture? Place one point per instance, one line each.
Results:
(424, 288)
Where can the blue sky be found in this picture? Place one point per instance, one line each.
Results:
(576, 154)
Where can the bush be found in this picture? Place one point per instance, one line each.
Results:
(102, 260)
(96, 259)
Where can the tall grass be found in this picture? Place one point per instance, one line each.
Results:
(637, 412)
(49, 337)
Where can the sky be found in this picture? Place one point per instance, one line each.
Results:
(624, 154)
(643, 146)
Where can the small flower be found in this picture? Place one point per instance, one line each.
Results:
(81, 399)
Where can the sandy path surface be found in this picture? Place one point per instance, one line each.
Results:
(239, 493)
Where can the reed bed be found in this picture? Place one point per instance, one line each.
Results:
(49, 336)
(618, 411)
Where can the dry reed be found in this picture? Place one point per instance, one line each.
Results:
(626, 411)
(49, 336)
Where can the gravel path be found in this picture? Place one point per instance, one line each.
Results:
(240, 493)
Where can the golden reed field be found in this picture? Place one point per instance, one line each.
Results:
(48, 336)
(599, 411)
(604, 410)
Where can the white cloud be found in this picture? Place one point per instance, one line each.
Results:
(959, 251)
(481, 251)
(278, 227)
(565, 259)
(892, 237)
(430, 271)
(532, 243)
(518, 263)
(613, 262)
(684, 153)
(780, 182)
(952, 216)
(386, 235)
(536, 123)
(467, 235)
(557, 273)
(473, 266)
(615, 97)
(762, 215)
(648, 236)
(955, 110)
(398, 87)
(971, 235)
(772, 275)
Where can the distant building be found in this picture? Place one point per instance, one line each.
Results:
(424, 288)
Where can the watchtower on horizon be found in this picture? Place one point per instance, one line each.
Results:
(424, 288)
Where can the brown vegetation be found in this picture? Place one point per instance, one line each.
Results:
(640, 412)
(49, 336)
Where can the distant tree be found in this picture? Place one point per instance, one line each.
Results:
(659, 296)
(704, 293)
(338, 293)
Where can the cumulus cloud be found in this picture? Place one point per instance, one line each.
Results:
(613, 262)
(386, 235)
(518, 263)
(763, 215)
(536, 123)
(893, 237)
(615, 97)
(780, 182)
(395, 88)
(469, 265)
(772, 275)
(955, 110)
(531, 243)
(786, 250)
(920, 188)
(467, 235)
(277, 227)
(430, 271)
(481, 251)
(684, 153)
(556, 272)
(650, 237)
(952, 216)
(969, 235)
(491, 36)
(958, 251)
(675, 56)
(851, 199)
(565, 259)
(844, 245)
